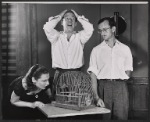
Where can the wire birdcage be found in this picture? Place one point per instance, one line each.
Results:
(74, 91)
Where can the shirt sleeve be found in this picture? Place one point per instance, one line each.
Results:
(87, 31)
(18, 89)
(128, 60)
(51, 33)
(93, 67)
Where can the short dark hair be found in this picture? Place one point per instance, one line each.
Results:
(35, 71)
(70, 11)
(111, 21)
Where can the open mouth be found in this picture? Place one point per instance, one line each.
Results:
(69, 24)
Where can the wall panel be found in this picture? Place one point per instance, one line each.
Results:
(23, 39)
(140, 40)
(138, 98)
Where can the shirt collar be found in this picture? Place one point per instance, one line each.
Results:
(105, 44)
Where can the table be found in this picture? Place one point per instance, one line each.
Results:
(54, 112)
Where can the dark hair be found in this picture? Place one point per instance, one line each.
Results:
(35, 71)
(110, 21)
(70, 11)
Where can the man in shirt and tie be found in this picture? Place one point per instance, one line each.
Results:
(67, 45)
(110, 67)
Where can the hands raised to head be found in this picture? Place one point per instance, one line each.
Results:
(62, 13)
(75, 13)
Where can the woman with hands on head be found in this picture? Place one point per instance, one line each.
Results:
(30, 91)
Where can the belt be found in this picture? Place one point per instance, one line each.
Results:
(65, 70)
(114, 80)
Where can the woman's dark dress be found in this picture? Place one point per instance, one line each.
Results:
(26, 112)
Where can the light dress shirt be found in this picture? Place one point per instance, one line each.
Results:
(111, 63)
(67, 54)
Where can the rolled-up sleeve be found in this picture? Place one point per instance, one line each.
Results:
(87, 31)
(128, 60)
(93, 67)
(49, 30)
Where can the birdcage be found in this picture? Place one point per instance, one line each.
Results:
(74, 91)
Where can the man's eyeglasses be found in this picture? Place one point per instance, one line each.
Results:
(103, 30)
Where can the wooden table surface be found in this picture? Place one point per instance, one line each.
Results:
(53, 112)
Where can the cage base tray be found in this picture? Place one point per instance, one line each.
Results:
(72, 107)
